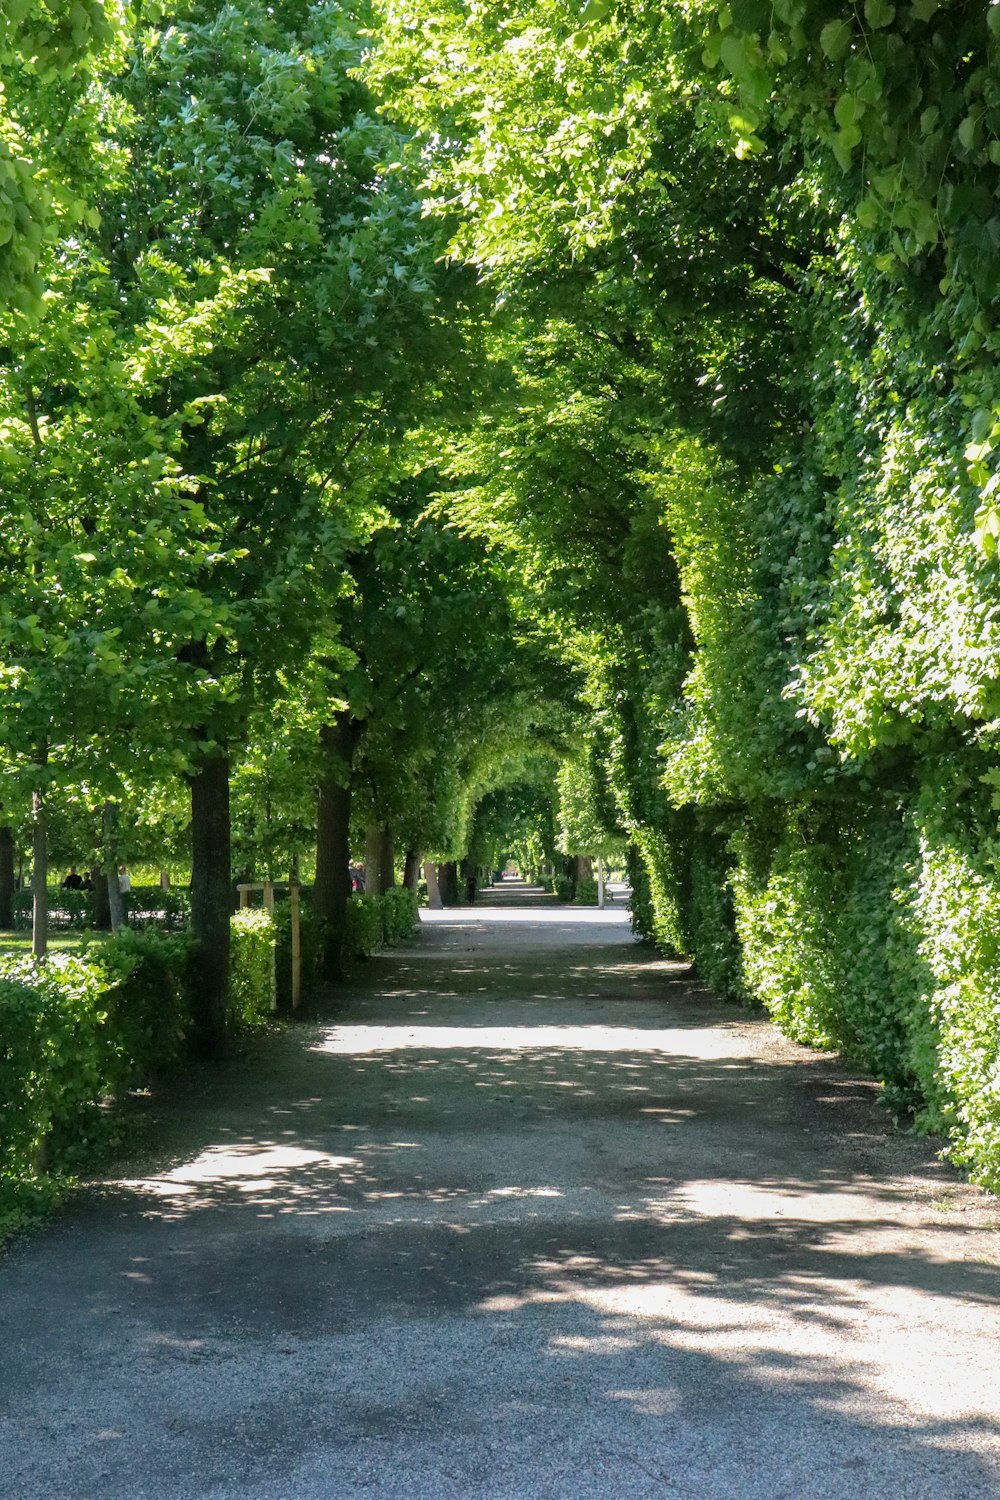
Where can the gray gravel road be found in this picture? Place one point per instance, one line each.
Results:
(536, 1217)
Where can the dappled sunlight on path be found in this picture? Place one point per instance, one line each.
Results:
(537, 1217)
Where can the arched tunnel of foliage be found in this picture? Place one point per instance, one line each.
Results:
(534, 427)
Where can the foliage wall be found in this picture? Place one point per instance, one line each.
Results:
(745, 265)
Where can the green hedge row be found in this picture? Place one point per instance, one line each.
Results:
(148, 906)
(375, 922)
(78, 1031)
(872, 928)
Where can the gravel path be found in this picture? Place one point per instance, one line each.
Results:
(536, 1218)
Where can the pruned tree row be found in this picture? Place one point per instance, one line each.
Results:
(744, 267)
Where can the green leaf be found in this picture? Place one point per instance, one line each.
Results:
(848, 110)
(734, 54)
(968, 132)
(976, 452)
(879, 13)
(869, 212)
(835, 39)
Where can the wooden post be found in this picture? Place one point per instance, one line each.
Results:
(600, 882)
(164, 880)
(293, 903)
(39, 876)
(244, 891)
(269, 908)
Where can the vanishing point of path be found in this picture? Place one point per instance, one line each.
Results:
(536, 1217)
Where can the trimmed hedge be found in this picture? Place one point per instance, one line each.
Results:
(78, 1031)
(870, 927)
(375, 922)
(397, 915)
(251, 970)
(148, 1001)
(148, 906)
(363, 932)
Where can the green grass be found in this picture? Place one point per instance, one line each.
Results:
(20, 942)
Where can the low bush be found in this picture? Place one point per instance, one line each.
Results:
(150, 906)
(78, 1031)
(148, 1000)
(69, 911)
(363, 932)
(251, 970)
(57, 1063)
(586, 892)
(147, 906)
(397, 914)
(563, 887)
(310, 948)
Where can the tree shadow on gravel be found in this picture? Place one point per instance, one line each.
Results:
(588, 1255)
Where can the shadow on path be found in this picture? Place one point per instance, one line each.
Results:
(531, 1220)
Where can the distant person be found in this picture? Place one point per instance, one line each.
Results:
(125, 887)
(73, 881)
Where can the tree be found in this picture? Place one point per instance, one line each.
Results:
(248, 286)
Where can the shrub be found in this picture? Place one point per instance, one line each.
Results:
(586, 892)
(398, 914)
(310, 947)
(954, 1025)
(77, 1031)
(148, 906)
(363, 933)
(563, 887)
(69, 911)
(148, 1000)
(57, 1063)
(251, 970)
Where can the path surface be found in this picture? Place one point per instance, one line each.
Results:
(537, 1218)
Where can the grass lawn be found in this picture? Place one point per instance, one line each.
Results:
(20, 942)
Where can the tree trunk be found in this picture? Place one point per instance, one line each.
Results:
(387, 860)
(112, 886)
(411, 869)
(211, 898)
(469, 879)
(332, 888)
(434, 901)
(6, 876)
(380, 860)
(39, 877)
(448, 883)
(102, 906)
